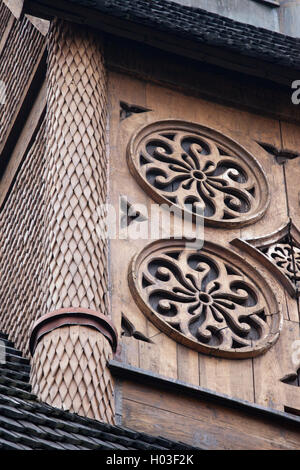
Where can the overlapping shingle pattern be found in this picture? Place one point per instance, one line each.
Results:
(27, 424)
(204, 27)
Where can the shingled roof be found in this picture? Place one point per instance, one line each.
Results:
(198, 25)
(27, 424)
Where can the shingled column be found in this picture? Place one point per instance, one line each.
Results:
(73, 340)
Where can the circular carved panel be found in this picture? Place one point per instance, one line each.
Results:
(200, 171)
(209, 299)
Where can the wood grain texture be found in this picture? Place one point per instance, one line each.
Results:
(15, 6)
(292, 309)
(291, 141)
(188, 155)
(226, 376)
(5, 17)
(275, 364)
(41, 25)
(201, 80)
(197, 422)
(277, 252)
(6, 24)
(188, 367)
(160, 356)
(235, 378)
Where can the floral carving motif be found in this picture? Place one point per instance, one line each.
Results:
(204, 300)
(200, 171)
(278, 251)
(287, 259)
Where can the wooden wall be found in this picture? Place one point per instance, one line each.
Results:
(203, 424)
(256, 380)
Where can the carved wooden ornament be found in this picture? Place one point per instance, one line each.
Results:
(279, 252)
(210, 300)
(199, 170)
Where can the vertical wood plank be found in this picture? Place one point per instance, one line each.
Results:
(292, 308)
(159, 357)
(130, 351)
(274, 365)
(188, 365)
(231, 377)
(291, 141)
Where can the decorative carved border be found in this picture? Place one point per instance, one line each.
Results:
(251, 246)
(273, 314)
(233, 150)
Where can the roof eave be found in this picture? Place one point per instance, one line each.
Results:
(125, 28)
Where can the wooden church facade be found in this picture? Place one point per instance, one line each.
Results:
(131, 105)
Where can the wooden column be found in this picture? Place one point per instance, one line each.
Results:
(70, 355)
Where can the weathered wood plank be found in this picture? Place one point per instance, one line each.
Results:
(206, 425)
(160, 356)
(15, 6)
(234, 378)
(291, 141)
(188, 365)
(165, 356)
(273, 366)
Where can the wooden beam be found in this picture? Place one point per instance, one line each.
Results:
(124, 371)
(269, 3)
(16, 7)
(208, 426)
(194, 50)
(41, 25)
(200, 79)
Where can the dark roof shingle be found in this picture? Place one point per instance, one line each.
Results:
(26, 423)
(203, 27)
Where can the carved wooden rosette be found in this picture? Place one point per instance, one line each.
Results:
(200, 171)
(210, 299)
(69, 363)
